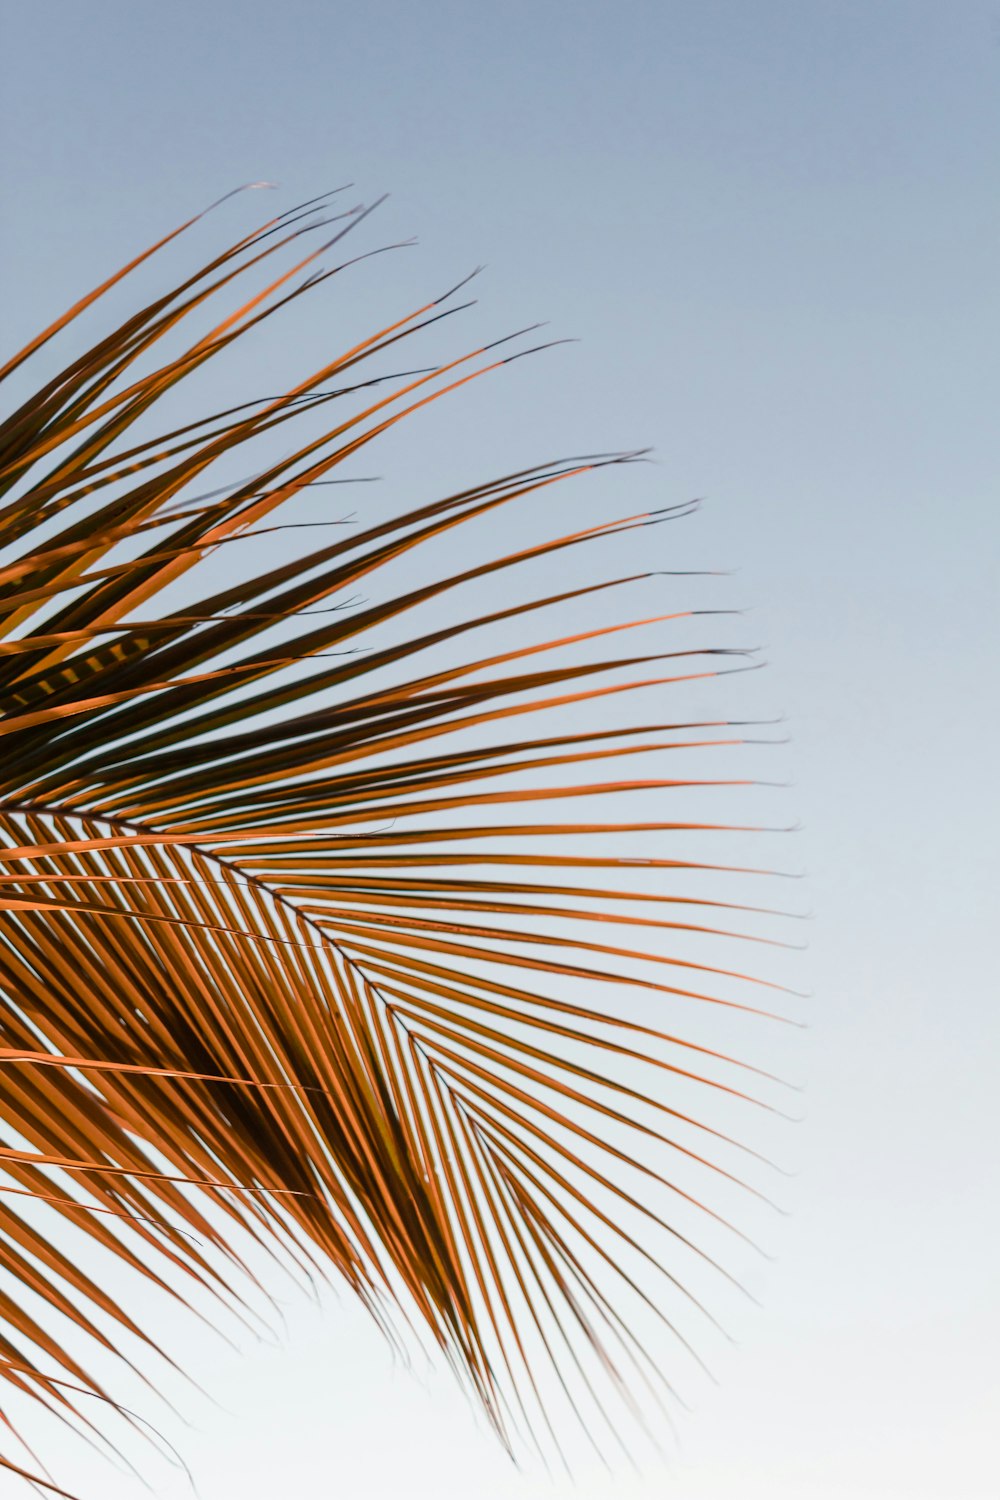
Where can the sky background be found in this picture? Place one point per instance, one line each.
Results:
(773, 228)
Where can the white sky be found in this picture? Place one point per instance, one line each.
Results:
(773, 226)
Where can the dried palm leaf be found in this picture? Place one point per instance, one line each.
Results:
(286, 955)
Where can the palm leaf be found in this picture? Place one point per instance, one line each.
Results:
(295, 949)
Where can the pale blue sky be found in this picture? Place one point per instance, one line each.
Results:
(773, 227)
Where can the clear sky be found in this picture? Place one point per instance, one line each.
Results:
(773, 227)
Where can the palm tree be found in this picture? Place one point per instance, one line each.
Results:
(293, 949)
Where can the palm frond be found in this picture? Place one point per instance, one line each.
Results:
(297, 945)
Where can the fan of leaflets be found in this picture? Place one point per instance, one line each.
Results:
(290, 951)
